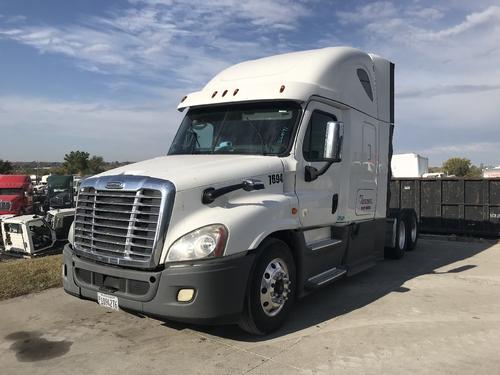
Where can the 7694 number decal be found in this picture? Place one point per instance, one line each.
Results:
(276, 178)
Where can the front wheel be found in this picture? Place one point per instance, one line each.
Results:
(272, 289)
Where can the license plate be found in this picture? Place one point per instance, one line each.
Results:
(105, 300)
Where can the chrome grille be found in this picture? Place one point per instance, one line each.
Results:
(5, 206)
(124, 227)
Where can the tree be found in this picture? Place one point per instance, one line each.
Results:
(96, 165)
(5, 167)
(435, 169)
(475, 171)
(76, 162)
(459, 167)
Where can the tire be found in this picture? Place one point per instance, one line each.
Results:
(274, 273)
(412, 229)
(398, 251)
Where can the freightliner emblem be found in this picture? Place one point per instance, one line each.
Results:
(114, 185)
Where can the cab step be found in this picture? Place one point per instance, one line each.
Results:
(325, 277)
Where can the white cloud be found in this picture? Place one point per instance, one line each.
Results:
(428, 14)
(150, 47)
(165, 38)
(473, 20)
(367, 12)
(447, 57)
(115, 131)
(447, 74)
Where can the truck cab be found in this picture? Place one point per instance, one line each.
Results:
(275, 184)
(60, 192)
(60, 220)
(16, 194)
(26, 235)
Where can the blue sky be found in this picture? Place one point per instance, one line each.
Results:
(106, 76)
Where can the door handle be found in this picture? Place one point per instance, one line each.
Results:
(335, 203)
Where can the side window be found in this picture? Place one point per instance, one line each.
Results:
(365, 82)
(12, 228)
(314, 140)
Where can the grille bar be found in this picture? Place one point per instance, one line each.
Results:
(122, 204)
(125, 227)
(117, 227)
(103, 240)
(134, 211)
(93, 216)
(114, 234)
(114, 195)
(5, 205)
(110, 250)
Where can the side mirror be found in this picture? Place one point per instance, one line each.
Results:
(334, 137)
(333, 141)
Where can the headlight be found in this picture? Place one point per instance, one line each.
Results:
(209, 241)
(71, 234)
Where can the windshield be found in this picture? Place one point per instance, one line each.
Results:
(253, 128)
(8, 191)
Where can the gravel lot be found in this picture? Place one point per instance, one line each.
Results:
(435, 311)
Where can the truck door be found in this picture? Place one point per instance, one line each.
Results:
(14, 239)
(41, 235)
(367, 173)
(318, 199)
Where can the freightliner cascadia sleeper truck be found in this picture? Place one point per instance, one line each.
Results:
(275, 184)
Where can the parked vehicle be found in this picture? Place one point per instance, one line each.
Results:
(27, 235)
(466, 206)
(16, 194)
(276, 184)
(60, 221)
(434, 175)
(59, 192)
(2, 218)
(491, 172)
(409, 165)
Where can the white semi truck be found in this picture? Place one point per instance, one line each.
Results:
(275, 184)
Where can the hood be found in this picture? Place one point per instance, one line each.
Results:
(190, 171)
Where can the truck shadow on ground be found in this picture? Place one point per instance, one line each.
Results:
(388, 276)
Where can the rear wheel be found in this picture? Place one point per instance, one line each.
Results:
(411, 230)
(272, 289)
(400, 245)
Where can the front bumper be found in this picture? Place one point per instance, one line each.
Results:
(220, 287)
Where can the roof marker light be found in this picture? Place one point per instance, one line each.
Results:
(215, 93)
(282, 88)
(235, 91)
(224, 93)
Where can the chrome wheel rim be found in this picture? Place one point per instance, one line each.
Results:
(402, 235)
(274, 287)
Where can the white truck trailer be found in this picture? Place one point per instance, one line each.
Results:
(409, 165)
(275, 184)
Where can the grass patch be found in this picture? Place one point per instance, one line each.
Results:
(25, 276)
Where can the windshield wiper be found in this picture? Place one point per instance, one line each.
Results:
(194, 142)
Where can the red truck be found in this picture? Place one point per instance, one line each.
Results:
(16, 194)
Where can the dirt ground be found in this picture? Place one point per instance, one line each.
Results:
(437, 311)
